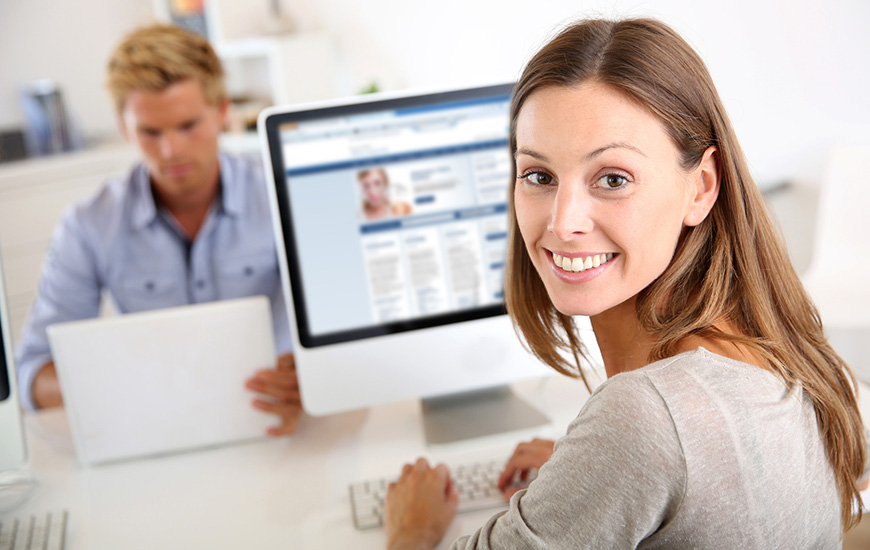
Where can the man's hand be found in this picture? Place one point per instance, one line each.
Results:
(419, 507)
(281, 389)
(46, 387)
(527, 456)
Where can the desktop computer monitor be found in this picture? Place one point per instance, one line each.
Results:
(13, 451)
(391, 221)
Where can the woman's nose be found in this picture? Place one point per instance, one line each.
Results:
(572, 212)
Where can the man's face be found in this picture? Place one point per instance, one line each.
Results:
(177, 132)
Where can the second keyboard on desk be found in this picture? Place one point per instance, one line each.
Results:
(43, 531)
(476, 483)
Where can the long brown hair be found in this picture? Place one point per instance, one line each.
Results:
(732, 267)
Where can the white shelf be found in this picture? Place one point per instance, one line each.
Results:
(293, 68)
(264, 62)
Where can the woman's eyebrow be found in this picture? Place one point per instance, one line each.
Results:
(589, 156)
(615, 145)
(528, 152)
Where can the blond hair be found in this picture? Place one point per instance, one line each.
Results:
(155, 57)
(731, 268)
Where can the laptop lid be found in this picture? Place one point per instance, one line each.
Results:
(163, 381)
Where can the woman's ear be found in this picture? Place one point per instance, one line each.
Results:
(704, 185)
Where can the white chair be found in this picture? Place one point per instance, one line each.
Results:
(838, 278)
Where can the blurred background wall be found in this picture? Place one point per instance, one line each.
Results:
(793, 75)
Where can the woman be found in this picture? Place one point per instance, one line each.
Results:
(727, 420)
(376, 204)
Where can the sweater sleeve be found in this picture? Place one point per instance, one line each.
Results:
(615, 478)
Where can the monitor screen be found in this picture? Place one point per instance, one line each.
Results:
(4, 371)
(402, 206)
(391, 219)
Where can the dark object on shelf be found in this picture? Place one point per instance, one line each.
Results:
(12, 146)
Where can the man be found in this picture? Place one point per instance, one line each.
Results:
(189, 224)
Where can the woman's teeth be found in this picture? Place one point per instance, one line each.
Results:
(579, 263)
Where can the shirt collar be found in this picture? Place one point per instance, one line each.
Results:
(232, 195)
(144, 209)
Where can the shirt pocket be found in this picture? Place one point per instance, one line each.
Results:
(144, 291)
(248, 275)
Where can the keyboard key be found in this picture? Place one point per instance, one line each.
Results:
(57, 531)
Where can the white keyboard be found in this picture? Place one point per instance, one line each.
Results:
(475, 482)
(45, 531)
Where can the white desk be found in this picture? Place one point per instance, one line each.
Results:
(277, 493)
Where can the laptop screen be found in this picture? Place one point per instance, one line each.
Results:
(394, 212)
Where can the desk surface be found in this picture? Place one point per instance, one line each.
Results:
(275, 493)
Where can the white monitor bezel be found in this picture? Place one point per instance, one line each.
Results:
(13, 450)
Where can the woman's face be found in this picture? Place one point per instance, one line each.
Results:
(600, 198)
(374, 188)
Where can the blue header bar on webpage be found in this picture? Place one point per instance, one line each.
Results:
(413, 222)
(385, 159)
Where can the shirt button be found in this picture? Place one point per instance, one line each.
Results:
(249, 270)
(149, 286)
(200, 284)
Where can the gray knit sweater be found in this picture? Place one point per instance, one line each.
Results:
(695, 451)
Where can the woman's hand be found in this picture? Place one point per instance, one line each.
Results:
(419, 507)
(526, 457)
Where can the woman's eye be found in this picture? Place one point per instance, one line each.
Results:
(612, 181)
(538, 178)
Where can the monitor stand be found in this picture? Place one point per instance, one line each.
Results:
(475, 414)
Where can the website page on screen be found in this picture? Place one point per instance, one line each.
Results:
(403, 212)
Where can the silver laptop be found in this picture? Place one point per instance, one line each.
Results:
(163, 381)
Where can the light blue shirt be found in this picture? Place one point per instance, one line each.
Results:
(121, 242)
